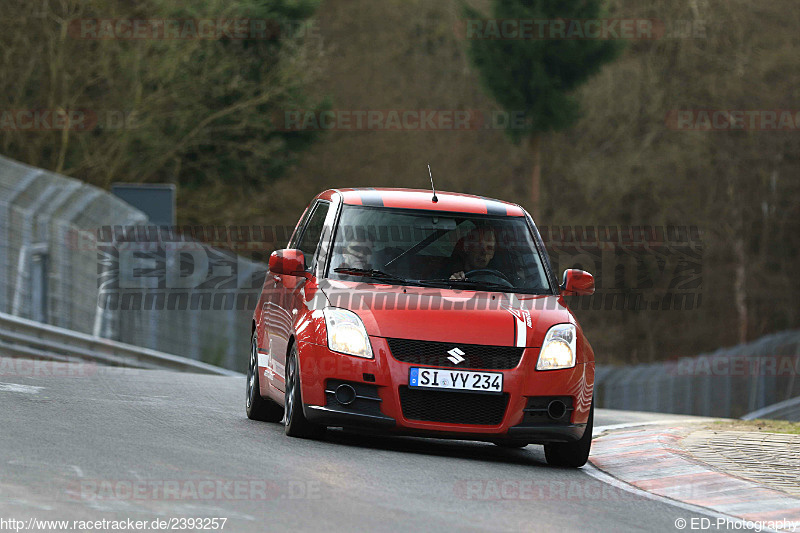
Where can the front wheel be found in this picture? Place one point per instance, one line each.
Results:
(259, 408)
(572, 454)
(296, 424)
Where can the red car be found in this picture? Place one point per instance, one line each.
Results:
(420, 313)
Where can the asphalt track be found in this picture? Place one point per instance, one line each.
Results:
(106, 444)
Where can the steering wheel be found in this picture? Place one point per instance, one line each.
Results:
(491, 271)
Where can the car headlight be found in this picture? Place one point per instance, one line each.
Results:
(346, 333)
(558, 348)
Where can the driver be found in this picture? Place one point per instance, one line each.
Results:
(478, 250)
(357, 252)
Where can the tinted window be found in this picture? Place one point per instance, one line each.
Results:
(313, 231)
(299, 228)
(416, 245)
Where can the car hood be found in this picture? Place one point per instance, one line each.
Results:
(446, 315)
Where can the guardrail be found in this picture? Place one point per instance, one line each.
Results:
(77, 257)
(20, 337)
(729, 382)
(785, 410)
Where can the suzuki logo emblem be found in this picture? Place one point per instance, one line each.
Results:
(455, 356)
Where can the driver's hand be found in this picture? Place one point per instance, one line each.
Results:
(458, 275)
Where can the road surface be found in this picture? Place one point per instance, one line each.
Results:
(142, 444)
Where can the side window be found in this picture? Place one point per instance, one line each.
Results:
(311, 235)
(299, 228)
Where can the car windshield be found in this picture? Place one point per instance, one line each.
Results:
(465, 251)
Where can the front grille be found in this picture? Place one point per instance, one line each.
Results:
(436, 354)
(453, 407)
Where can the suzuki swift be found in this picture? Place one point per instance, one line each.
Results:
(419, 313)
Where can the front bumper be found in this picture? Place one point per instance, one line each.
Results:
(333, 416)
(386, 376)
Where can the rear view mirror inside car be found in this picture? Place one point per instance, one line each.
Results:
(435, 223)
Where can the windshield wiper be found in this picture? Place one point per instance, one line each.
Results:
(391, 278)
(469, 282)
(372, 273)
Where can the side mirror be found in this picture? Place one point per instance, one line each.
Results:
(289, 261)
(577, 283)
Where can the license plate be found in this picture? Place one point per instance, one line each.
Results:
(439, 378)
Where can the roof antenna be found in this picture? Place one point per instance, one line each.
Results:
(434, 199)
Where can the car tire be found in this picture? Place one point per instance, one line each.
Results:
(572, 454)
(296, 424)
(259, 408)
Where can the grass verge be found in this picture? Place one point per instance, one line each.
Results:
(767, 426)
